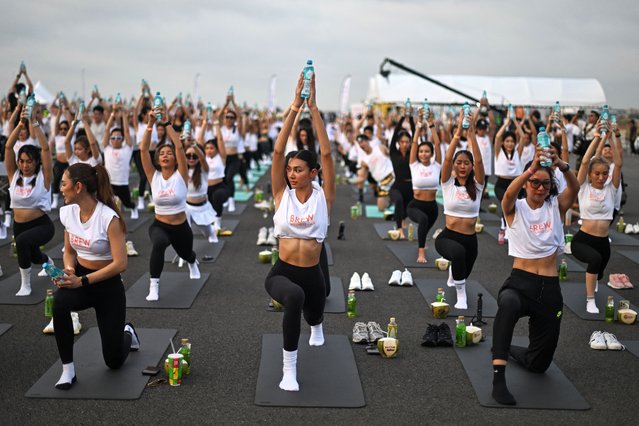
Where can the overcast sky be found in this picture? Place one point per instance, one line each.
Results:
(243, 43)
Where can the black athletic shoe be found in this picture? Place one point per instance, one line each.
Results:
(431, 336)
(444, 338)
(135, 340)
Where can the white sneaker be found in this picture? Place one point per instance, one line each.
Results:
(140, 205)
(3, 232)
(49, 328)
(635, 228)
(261, 236)
(54, 203)
(42, 273)
(630, 229)
(367, 284)
(130, 250)
(396, 278)
(597, 341)
(612, 343)
(263, 205)
(231, 205)
(271, 240)
(134, 213)
(407, 278)
(356, 282)
(436, 233)
(77, 327)
(194, 271)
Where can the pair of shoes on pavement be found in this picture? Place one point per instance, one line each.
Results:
(437, 335)
(130, 249)
(75, 318)
(363, 283)
(632, 229)
(603, 340)
(266, 237)
(367, 333)
(619, 281)
(399, 278)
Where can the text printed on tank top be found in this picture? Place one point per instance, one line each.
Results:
(166, 193)
(426, 172)
(596, 196)
(540, 228)
(24, 191)
(77, 241)
(302, 222)
(461, 194)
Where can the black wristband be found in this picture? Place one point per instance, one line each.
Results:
(85, 280)
(167, 124)
(564, 170)
(431, 126)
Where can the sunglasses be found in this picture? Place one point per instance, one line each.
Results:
(191, 156)
(536, 183)
(116, 138)
(230, 117)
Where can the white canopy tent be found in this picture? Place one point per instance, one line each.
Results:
(525, 91)
(42, 94)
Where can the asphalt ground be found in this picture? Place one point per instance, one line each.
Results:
(226, 322)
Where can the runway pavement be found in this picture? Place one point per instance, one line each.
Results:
(226, 322)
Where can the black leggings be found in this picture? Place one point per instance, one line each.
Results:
(460, 249)
(501, 185)
(538, 297)
(124, 194)
(401, 194)
(180, 237)
(324, 265)
(58, 170)
(594, 251)
(217, 195)
(300, 290)
(424, 213)
(233, 166)
(138, 165)
(108, 299)
(29, 237)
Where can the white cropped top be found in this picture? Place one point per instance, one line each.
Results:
(506, 167)
(200, 191)
(425, 178)
(536, 233)
(457, 202)
(597, 204)
(90, 239)
(169, 195)
(26, 196)
(117, 162)
(294, 219)
(231, 137)
(216, 167)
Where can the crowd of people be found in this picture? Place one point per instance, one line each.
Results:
(78, 157)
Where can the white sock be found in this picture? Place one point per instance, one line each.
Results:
(596, 286)
(289, 369)
(25, 282)
(460, 286)
(154, 290)
(212, 234)
(451, 281)
(591, 305)
(194, 271)
(68, 373)
(317, 335)
(7, 219)
(56, 199)
(135, 214)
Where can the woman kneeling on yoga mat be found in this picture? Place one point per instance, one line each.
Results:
(301, 220)
(94, 256)
(536, 236)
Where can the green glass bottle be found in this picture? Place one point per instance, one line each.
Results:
(460, 332)
(563, 270)
(610, 309)
(351, 310)
(48, 305)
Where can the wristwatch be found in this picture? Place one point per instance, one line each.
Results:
(565, 169)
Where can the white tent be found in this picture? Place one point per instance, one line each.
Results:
(42, 94)
(525, 91)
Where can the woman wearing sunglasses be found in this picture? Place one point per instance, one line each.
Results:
(533, 213)
(61, 163)
(597, 194)
(117, 157)
(232, 134)
(198, 208)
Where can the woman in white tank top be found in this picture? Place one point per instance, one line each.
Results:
(301, 221)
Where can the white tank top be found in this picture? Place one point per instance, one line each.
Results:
(597, 204)
(90, 240)
(116, 161)
(59, 144)
(486, 150)
(231, 138)
(90, 161)
(560, 179)
(527, 154)
(194, 192)
(379, 165)
(140, 134)
(506, 167)
(216, 167)
(307, 221)
(27, 197)
(250, 142)
(169, 195)
(425, 178)
(535, 233)
(457, 202)
(619, 190)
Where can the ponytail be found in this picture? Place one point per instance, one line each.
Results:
(105, 194)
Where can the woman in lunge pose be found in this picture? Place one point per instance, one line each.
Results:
(597, 195)
(94, 257)
(536, 236)
(169, 188)
(462, 185)
(301, 222)
(425, 168)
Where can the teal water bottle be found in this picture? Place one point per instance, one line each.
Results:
(543, 141)
(118, 98)
(53, 271)
(31, 101)
(426, 108)
(209, 111)
(78, 116)
(308, 73)
(466, 119)
(157, 102)
(186, 131)
(605, 116)
(557, 111)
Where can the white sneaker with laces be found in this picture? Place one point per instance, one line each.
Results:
(135, 340)
(630, 229)
(77, 327)
(271, 240)
(3, 231)
(194, 271)
(134, 213)
(367, 283)
(396, 278)
(612, 343)
(356, 282)
(140, 205)
(231, 205)
(261, 236)
(130, 249)
(635, 228)
(49, 328)
(597, 341)
(407, 278)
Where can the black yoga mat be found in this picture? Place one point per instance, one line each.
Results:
(230, 224)
(206, 252)
(574, 294)
(327, 375)
(407, 254)
(177, 291)
(10, 286)
(4, 328)
(95, 379)
(632, 346)
(239, 209)
(329, 254)
(335, 302)
(6, 241)
(630, 254)
(133, 225)
(549, 391)
(428, 289)
(382, 228)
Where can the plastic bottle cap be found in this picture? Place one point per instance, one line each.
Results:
(392, 319)
(461, 317)
(184, 341)
(49, 292)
